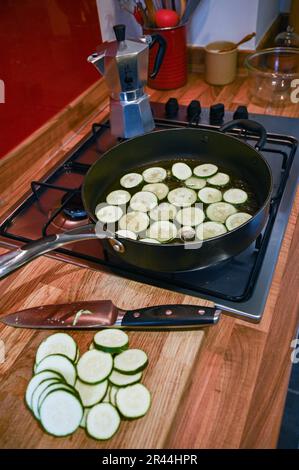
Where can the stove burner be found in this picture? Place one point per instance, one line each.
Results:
(74, 208)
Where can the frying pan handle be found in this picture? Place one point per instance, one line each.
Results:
(10, 262)
(248, 125)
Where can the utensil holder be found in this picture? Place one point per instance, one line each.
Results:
(220, 67)
(173, 71)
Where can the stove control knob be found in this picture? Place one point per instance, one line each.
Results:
(171, 108)
(241, 113)
(217, 113)
(193, 110)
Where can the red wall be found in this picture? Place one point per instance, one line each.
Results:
(43, 49)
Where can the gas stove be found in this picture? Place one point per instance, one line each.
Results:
(239, 286)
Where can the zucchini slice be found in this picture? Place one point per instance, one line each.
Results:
(210, 195)
(37, 393)
(106, 398)
(111, 340)
(190, 216)
(210, 230)
(143, 201)
(61, 413)
(102, 421)
(112, 396)
(51, 388)
(155, 174)
(84, 418)
(182, 197)
(36, 380)
(181, 171)
(60, 364)
(205, 170)
(131, 361)
(159, 189)
(134, 222)
(235, 196)
(163, 231)
(118, 197)
(126, 234)
(220, 211)
(133, 401)
(131, 180)
(91, 394)
(164, 211)
(108, 214)
(149, 240)
(235, 220)
(186, 233)
(220, 179)
(94, 366)
(58, 343)
(122, 380)
(195, 183)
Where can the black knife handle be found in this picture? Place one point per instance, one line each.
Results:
(171, 316)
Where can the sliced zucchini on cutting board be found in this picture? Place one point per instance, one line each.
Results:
(94, 366)
(131, 361)
(133, 401)
(91, 394)
(58, 343)
(60, 364)
(102, 421)
(111, 340)
(122, 380)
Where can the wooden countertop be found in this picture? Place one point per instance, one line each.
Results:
(235, 394)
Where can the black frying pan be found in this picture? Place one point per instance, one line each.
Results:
(202, 145)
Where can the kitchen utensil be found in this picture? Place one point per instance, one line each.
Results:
(104, 314)
(198, 144)
(182, 8)
(166, 18)
(271, 74)
(191, 6)
(242, 41)
(150, 10)
(124, 65)
(173, 71)
(220, 66)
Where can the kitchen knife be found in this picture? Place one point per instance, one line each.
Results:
(96, 314)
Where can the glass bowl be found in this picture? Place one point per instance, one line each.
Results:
(272, 74)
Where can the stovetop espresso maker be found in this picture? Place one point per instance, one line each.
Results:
(124, 64)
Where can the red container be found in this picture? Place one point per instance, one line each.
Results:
(173, 71)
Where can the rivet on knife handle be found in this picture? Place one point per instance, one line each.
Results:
(171, 316)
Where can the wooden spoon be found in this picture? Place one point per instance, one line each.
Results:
(234, 46)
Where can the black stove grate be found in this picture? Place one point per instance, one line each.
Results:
(215, 282)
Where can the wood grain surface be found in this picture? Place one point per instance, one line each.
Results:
(228, 393)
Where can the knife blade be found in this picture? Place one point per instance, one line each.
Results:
(91, 315)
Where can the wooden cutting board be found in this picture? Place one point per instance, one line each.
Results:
(172, 356)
